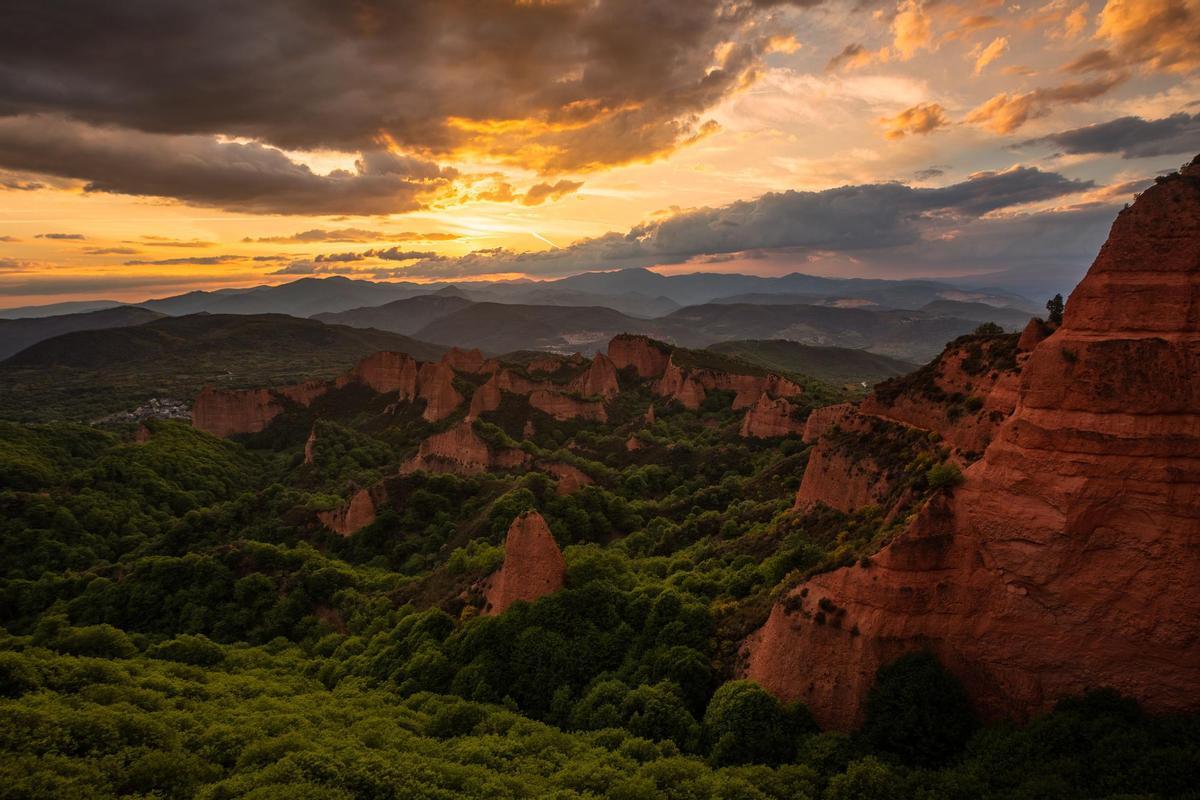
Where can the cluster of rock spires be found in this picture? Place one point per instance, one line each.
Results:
(1069, 558)
(589, 386)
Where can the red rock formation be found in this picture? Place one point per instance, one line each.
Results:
(1031, 337)
(599, 380)
(226, 412)
(570, 479)
(486, 398)
(144, 434)
(533, 565)
(310, 446)
(436, 387)
(769, 418)
(461, 451)
(650, 414)
(351, 517)
(463, 360)
(689, 387)
(823, 419)
(304, 393)
(548, 364)
(1068, 559)
(645, 355)
(385, 372)
(528, 431)
(980, 370)
(563, 406)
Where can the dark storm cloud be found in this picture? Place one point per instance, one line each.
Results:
(61, 236)
(850, 219)
(609, 81)
(200, 169)
(1132, 137)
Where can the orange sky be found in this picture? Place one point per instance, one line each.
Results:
(923, 93)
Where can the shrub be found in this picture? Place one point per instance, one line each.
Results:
(944, 476)
(918, 711)
(199, 651)
(745, 725)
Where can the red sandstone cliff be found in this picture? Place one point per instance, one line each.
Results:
(646, 356)
(1069, 557)
(353, 516)
(460, 450)
(384, 373)
(225, 412)
(563, 406)
(435, 384)
(533, 565)
(769, 418)
(570, 479)
(463, 360)
(599, 380)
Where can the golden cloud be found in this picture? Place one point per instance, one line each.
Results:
(1007, 112)
(921, 119)
(986, 55)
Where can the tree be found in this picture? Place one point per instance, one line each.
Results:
(1055, 306)
(745, 725)
(918, 711)
(989, 329)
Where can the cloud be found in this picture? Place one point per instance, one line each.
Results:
(352, 235)
(1092, 61)
(1160, 35)
(1132, 137)
(204, 171)
(912, 29)
(1005, 113)
(200, 261)
(9, 239)
(936, 171)
(166, 241)
(542, 192)
(986, 55)
(849, 219)
(923, 118)
(111, 251)
(855, 56)
(61, 236)
(562, 86)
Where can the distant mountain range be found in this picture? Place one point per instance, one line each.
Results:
(908, 320)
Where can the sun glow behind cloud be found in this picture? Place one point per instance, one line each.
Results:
(593, 125)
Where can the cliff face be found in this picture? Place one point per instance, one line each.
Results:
(639, 352)
(436, 387)
(533, 565)
(570, 479)
(599, 380)
(1069, 557)
(563, 407)
(689, 387)
(355, 515)
(460, 450)
(769, 418)
(226, 412)
(385, 372)
(463, 360)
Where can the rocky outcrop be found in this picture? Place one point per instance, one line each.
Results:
(435, 385)
(964, 395)
(463, 360)
(227, 412)
(385, 372)
(353, 516)
(533, 566)
(821, 420)
(461, 451)
(768, 419)
(1069, 557)
(689, 387)
(310, 446)
(598, 380)
(570, 478)
(563, 406)
(839, 474)
(646, 356)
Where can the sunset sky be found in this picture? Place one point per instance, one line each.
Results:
(149, 148)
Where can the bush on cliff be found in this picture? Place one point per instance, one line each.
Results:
(918, 711)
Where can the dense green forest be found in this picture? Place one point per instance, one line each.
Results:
(177, 623)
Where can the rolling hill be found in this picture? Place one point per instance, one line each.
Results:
(89, 374)
(18, 334)
(501, 328)
(837, 365)
(400, 316)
